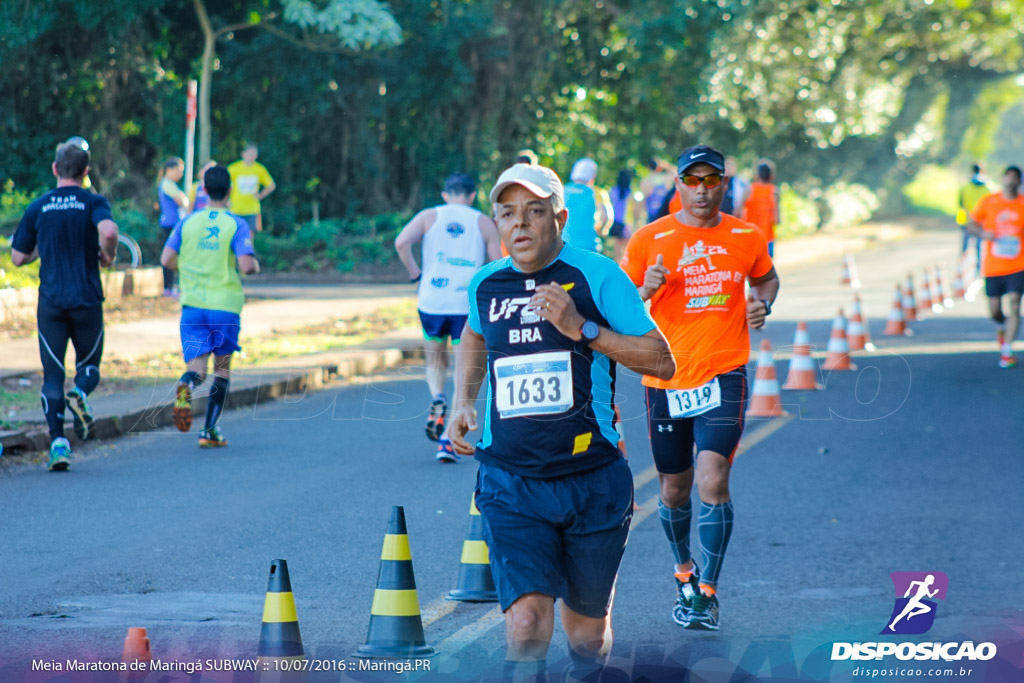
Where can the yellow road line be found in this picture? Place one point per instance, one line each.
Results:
(437, 610)
(469, 633)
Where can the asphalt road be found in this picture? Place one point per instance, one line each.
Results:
(912, 463)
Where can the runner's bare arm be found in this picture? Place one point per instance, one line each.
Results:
(470, 370)
(108, 241)
(648, 354)
(413, 232)
(764, 288)
(169, 258)
(975, 228)
(492, 240)
(20, 258)
(248, 264)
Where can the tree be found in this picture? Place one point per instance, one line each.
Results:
(338, 25)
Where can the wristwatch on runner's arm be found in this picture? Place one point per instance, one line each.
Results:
(589, 331)
(767, 306)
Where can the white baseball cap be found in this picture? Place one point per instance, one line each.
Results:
(540, 180)
(584, 171)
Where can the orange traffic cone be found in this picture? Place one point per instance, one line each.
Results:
(765, 398)
(803, 371)
(924, 299)
(857, 335)
(945, 297)
(959, 289)
(136, 646)
(136, 655)
(396, 626)
(896, 324)
(936, 290)
(475, 582)
(909, 307)
(838, 350)
(850, 272)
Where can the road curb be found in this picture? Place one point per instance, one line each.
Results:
(249, 387)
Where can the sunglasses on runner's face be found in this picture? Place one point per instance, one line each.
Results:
(80, 142)
(710, 180)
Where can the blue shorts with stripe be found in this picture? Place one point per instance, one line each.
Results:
(440, 327)
(205, 331)
(562, 537)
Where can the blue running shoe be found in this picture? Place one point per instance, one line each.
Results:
(60, 455)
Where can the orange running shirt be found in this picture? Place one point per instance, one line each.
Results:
(760, 208)
(701, 309)
(1005, 218)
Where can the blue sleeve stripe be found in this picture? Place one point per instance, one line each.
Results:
(482, 274)
(601, 395)
(625, 313)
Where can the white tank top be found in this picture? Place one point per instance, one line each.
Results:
(453, 250)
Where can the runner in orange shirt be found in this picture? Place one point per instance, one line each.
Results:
(999, 220)
(762, 207)
(692, 266)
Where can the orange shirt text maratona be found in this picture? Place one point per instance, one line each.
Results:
(1005, 218)
(701, 309)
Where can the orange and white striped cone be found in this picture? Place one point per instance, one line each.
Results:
(945, 298)
(850, 276)
(838, 357)
(803, 371)
(857, 335)
(909, 307)
(959, 290)
(765, 399)
(924, 299)
(936, 288)
(896, 325)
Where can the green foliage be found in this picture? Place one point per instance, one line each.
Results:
(846, 93)
(361, 244)
(935, 190)
(355, 23)
(799, 215)
(13, 203)
(25, 276)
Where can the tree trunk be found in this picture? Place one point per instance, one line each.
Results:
(203, 104)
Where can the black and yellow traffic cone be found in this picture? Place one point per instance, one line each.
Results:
(279, 634)
(475, 581)
(396, 627)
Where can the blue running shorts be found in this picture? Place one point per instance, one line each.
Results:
(206, 331)
(561, 537)
(439, 327)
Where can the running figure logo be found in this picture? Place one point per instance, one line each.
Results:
(696, 253)
(914, 612)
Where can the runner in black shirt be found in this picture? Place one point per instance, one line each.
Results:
(71, 231)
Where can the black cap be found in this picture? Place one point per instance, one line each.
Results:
(700, 154)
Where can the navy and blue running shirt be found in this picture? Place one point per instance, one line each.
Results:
(62, 224)
(536, 424)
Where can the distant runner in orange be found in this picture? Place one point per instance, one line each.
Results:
(762, 207)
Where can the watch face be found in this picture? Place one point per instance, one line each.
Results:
(590, 330)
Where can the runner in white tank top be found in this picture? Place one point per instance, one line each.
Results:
(453, 250)
(457, 240)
